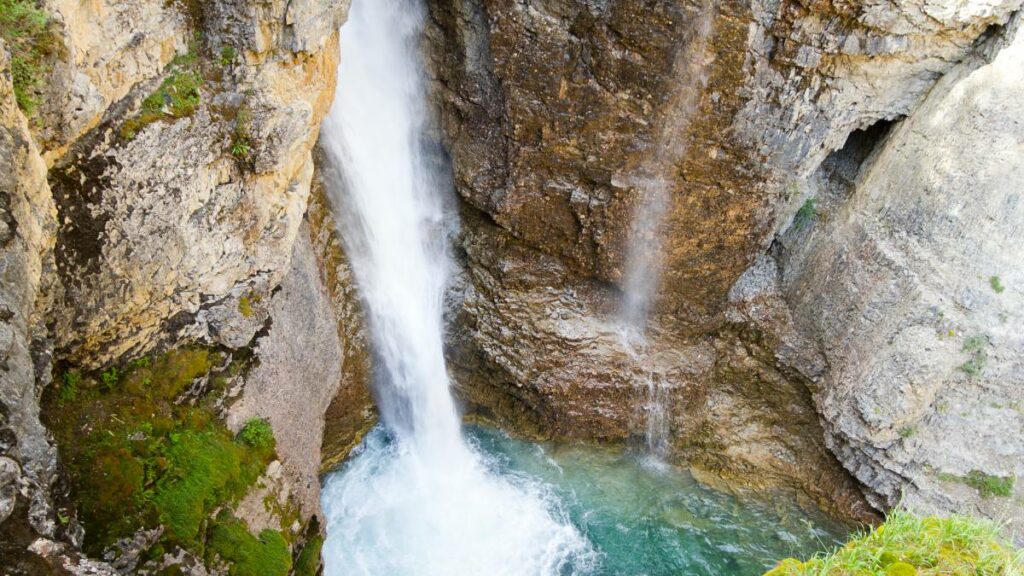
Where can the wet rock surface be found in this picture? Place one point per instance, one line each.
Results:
(551, 157)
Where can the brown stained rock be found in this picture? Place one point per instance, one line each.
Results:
(351, 412)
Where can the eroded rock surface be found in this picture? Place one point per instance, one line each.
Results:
(912, 285)
(553, 112)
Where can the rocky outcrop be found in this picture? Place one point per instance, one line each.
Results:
(910, 278)
(156, 198)
(553, 157)
(312, 358)
(166, 217)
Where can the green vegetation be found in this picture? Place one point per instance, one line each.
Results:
(907, 545)
(228, 54)
(245, 304)
(308, 561)
(806, 214)
(976, 347)
(139, 456)
(248, 555)
(178, 96)
(986, 485)
(69, 382)
(907, 432)
(24, 28)
(996, 284)
(241, 138)
(257, 433)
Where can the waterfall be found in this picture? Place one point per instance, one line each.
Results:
(652, 183)
(415, 498)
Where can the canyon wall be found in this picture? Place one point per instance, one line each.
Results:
(840, 248)
(156, 199)
(766, 341)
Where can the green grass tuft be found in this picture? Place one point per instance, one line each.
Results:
(248, 555)
(907, 544)
(177, 97)
(25, 30)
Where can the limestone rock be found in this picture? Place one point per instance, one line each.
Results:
(913, 287)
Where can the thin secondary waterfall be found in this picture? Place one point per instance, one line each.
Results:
(416, 498)
(642, 275)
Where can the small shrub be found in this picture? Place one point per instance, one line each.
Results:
(806, 214)
(907, 544)
(907, 432)
(24, 29)
(248, 555)
(996, 284)
(258, 434)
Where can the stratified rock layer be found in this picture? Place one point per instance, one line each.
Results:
(556, 116)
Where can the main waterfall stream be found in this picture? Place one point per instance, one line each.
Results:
(421, 496)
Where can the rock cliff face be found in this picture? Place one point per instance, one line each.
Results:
(836, 190)
(155, 199)
(758, 337)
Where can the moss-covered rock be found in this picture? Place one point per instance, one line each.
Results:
(143, 447)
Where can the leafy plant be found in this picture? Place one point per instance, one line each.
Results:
(258, 434)
(110, 377)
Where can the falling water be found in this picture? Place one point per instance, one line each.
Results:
(415, 498)
(652, 183)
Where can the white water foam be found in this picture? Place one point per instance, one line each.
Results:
(415, 498)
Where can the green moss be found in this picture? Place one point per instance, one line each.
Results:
(308, 562)
(203, 468)
(996, 284)
(245, 306)
(248, 555)
(25, 30)
(137, 456)
(907, 544)
(987, 485)
(258, 434)
(806, 214)
(900, 569)
(177, 97)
